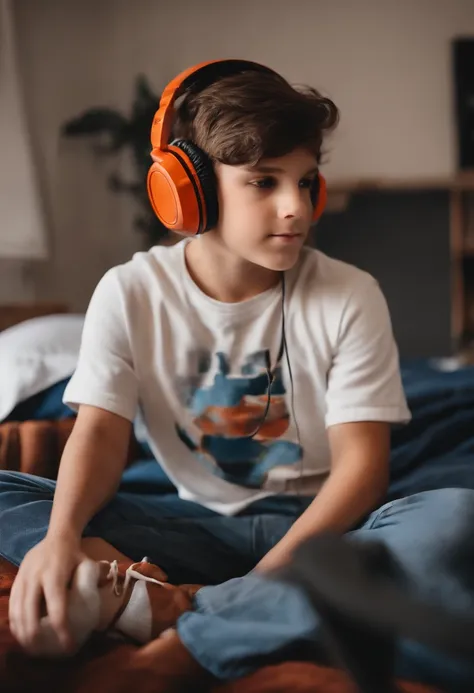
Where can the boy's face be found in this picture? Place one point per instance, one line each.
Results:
(265, 212)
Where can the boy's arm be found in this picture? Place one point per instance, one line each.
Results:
(90, 470)
(104, 390)
(357, 483)
(364, 396)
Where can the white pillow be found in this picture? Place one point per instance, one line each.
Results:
(35, 355)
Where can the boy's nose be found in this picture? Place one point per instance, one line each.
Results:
(293, 205)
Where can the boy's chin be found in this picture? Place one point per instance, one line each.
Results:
(280, 262)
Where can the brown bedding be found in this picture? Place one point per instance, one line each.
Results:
(35, 447)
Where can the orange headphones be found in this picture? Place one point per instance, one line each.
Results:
(181, 181)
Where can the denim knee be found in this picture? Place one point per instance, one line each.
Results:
(25, 507)
(18, 487)
(452, 498)
(7, 477)
(453, 506)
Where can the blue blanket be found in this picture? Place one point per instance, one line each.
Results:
(435, 450)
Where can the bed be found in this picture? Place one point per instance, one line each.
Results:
(36, 361)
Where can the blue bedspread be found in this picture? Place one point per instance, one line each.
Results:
(436, 449)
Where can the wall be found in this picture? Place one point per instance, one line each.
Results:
(22, 231)
(17, 281)
(386, 64)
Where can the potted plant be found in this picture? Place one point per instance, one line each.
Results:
(122, 132)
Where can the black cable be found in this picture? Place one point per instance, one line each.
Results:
(270, 372)
(283, 350)
(290, 373)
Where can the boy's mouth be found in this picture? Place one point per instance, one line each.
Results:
(286, 237)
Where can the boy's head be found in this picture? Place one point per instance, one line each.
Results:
(244, 118)
(264, 140)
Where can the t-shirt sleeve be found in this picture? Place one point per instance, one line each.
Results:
(364, 382)
(105, 375)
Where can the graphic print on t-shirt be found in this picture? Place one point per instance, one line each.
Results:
(224, 411)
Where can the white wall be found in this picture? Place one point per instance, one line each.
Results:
(22, 230)
(386, 63)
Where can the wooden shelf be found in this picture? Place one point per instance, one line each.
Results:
(340, 191)
(463, 181)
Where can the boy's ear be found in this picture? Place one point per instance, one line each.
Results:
(319, 196)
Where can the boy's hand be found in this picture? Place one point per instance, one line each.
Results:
(276, 558)
(42, 581)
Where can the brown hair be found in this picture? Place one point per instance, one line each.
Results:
(251, 116)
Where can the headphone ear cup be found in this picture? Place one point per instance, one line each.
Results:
(319, 196)
(207, 178)
(174, 193)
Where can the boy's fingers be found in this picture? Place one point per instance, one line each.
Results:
(31, 613)
(56, 607)
(14, 611)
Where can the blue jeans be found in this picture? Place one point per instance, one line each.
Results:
(249, 621)
(252, 620)
(189, 542)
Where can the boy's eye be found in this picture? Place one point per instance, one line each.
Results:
(264, 183)
(269, 182)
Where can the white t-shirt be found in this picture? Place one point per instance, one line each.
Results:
(195, 367)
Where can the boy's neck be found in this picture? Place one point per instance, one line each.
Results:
(224, 277)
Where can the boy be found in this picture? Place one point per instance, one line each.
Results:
(266, 372)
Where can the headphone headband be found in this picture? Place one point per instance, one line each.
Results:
(181, 181)
(201, 76)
